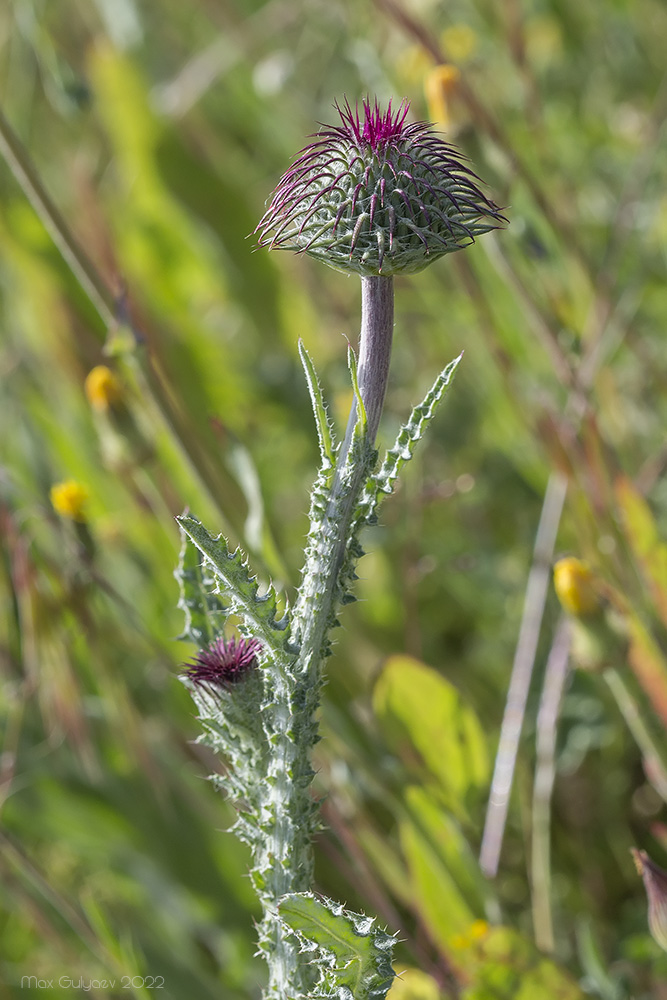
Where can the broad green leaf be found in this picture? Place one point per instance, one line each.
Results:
(414, 702)
(413, 984)
(387, 862)
(446, 883)
(354, 955)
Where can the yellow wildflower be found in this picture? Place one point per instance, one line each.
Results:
(69, 499)
(439, 86)
(478, 930)
(575, 586)
(459, 41)
(102, 388)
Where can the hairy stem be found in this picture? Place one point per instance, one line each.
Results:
(284, 859)
(377, 328)
(319, 586)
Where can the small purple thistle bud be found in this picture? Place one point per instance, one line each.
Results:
(377, 196)
(224, 661)
(655, 883)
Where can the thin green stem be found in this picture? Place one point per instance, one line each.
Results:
(655, 765)
(545, 773)
(74, 255)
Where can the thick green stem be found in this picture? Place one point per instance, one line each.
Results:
(284, 859)
(318, 594)
(377, 328)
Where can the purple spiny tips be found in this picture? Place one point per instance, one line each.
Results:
(224, 661)
(377, 128)
(377, 194)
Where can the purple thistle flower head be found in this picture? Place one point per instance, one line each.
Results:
(377, 195)
(224, 662)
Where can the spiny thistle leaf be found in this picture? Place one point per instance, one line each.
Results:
(324, 430)
(381, 483)
(352, 954)
(240, 587)
(410, 433)
(204, 611)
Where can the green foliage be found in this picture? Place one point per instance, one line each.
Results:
(505, 967)
(416, 703)
(353, 956)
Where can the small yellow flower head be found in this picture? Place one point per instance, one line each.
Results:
(655, 883)
(459, 41)
(439, 86)
(69, 499)
(102, 388)
(575, 586)
(478, 930)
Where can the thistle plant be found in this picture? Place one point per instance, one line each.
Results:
(378, 196)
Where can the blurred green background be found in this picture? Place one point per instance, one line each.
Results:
(159, 130)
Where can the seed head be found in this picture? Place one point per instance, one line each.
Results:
(224, 661)
(377, 195)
